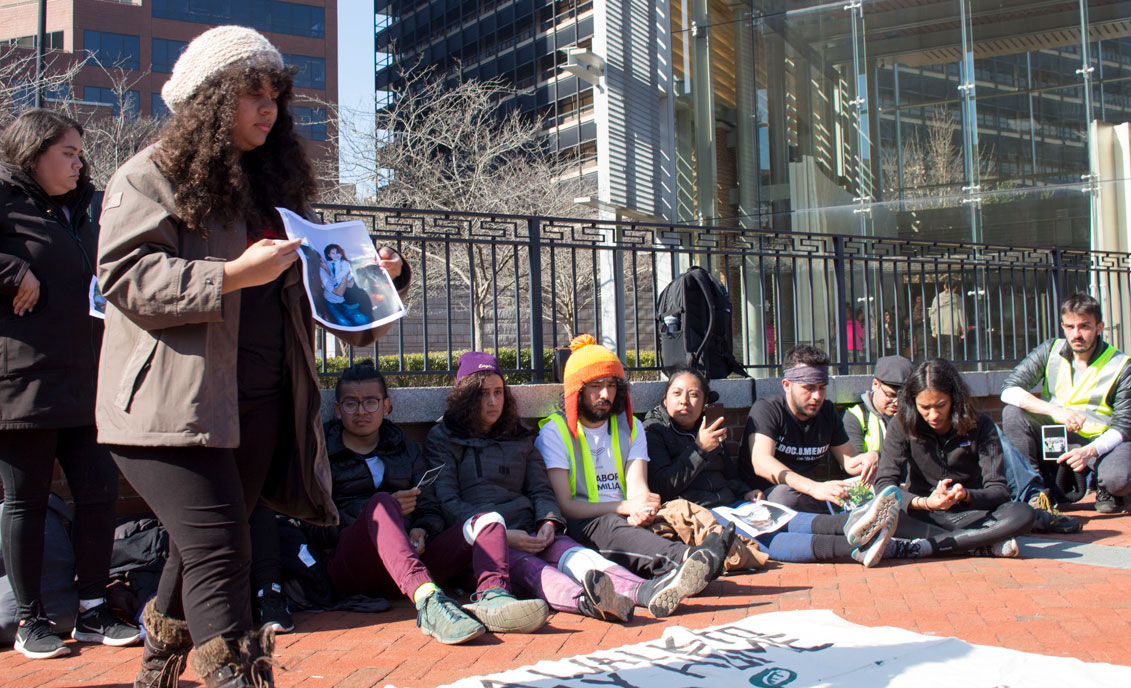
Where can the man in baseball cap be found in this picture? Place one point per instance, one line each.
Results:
(866, 422)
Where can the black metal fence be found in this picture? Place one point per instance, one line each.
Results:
(514, 285)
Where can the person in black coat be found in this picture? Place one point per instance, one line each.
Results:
(956, 489)
(49, 347)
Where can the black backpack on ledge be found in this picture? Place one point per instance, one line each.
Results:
(694, 325)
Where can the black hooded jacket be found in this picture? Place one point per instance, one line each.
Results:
(49, 356)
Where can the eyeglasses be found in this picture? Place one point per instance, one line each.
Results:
(370, 404)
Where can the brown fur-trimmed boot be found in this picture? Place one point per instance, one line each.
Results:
(246, 664)
(167, 645)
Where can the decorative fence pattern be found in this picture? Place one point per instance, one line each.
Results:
(515, 284)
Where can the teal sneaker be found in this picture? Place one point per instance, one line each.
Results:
(440, 617)
(502, 612)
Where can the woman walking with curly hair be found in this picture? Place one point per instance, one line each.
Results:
(207, 394)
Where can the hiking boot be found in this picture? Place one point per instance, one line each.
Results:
(1006, 548)
(440, 617)
(270, 607)
(502, 612)
(102, 626)
(663, 593)
(36, 639)
(165, 649)
(1050, 519)
(900, 548)
(600, 599)
(871, 517)
(1107, 503)
(875, 552)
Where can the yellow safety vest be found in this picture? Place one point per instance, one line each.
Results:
(623, 432)
(1087, 394)
(873, 431)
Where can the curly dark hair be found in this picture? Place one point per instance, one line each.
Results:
(212, 176)
(940, 375)
(463, 406)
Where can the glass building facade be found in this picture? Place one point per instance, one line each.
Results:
(940, 120)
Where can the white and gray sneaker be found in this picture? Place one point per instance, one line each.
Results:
(867, 520)
(876, 550)
(1006, 548)
(664, 593)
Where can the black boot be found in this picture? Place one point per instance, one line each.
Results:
(167, 645)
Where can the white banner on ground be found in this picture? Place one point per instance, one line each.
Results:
(804, 649)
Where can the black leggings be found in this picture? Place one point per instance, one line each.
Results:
(27, 461)
(955, 532)
(203, 497)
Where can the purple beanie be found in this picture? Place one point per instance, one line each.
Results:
(475, 361)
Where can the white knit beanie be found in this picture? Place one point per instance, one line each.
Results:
(210, 52)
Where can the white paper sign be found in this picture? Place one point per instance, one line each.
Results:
(347, 288)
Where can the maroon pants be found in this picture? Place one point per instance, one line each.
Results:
(374, 555)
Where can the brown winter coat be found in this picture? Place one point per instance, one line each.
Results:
(168, 368)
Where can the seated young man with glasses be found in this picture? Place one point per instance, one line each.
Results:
(391, 533)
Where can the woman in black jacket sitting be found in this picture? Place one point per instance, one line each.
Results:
(956, 490)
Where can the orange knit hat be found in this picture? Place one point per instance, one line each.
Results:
(588, 361)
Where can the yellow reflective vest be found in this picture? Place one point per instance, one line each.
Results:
(623, 432)
(873, 429)
(1088, 392)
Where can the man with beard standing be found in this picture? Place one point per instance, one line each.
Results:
(1087, 389)
(788, 437)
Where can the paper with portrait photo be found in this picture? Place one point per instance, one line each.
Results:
(347, 288)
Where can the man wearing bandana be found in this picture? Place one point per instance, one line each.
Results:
(788, 437)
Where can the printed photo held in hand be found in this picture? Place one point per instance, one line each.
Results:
(347, 287)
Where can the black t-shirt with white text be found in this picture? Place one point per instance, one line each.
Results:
(800, 446)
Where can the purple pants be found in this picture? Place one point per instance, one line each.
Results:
(374, 555)
(538, 574)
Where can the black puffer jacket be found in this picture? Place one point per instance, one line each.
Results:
(677, 469)
(353, 482)
(504, 474)
(48, 357)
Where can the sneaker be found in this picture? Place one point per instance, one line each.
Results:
(36, 639)
(875, 552)
(871, 517)
(715, 548)
(271, 609)
(1006, 548)
(663, 593)
(901, 548)
(440, 617)
(600, 599)
(1050, 519)
(502, 612)
(1107, 503)
(102, 626)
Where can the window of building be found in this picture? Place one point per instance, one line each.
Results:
(311, 71)
(165, 54)
(54, 41)
(113, 49)
(310, 122)
(265, 15)
(129, 102)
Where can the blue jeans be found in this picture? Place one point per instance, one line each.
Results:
(1024, 480)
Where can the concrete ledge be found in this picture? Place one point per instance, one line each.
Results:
(426, 404)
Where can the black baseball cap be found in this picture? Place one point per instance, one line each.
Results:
(893, 371)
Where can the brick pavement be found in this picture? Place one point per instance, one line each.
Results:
(1036, 605)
